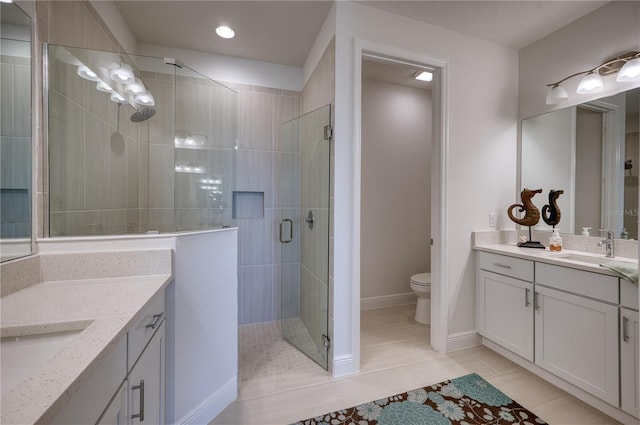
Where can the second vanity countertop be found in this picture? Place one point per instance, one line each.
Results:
(102, 309)
(557, 258)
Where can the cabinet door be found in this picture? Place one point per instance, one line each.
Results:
(629, 368)
(146, 383)
(505, 312)
(116, 412)
(577, 340)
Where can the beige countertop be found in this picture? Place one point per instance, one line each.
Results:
(553, 257)
(104, 308)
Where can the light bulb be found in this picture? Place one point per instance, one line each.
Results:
(630, 71)
(104, 87)
(135, 87)
(123, 74)
(115, 97)
(557, 94)
(591, 83)
(145, 99)
(86, 73)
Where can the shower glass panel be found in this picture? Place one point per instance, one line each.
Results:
(303, 182)
(131, 144)
(206, 128)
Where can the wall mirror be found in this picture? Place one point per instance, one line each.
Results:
(590, 151)
(15, 133)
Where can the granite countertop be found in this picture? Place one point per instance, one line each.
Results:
(554, 257)
(102, 308)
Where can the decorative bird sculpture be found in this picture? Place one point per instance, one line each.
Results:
(531, 212)
(551, 212)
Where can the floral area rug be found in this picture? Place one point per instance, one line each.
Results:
(468, 400)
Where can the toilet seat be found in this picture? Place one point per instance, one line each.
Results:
(421, 279)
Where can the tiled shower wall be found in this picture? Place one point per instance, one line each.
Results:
(15, 188)
(262, 111)
(68, 23)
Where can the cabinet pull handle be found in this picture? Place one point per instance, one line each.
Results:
(504, 266)
(625, 329)
(140, 387)
(536, 304)
(526, 297)
(156, 320)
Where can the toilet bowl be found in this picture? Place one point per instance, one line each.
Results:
(421, 285)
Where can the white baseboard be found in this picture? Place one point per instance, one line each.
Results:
(372, 303)
(463, 340)
(211, 407)
(343, 365)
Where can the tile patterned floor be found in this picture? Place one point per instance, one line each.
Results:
(280, 386)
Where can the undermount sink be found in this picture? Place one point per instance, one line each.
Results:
(591, 259)
(22, 354)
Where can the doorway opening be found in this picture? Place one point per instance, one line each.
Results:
(433, 247)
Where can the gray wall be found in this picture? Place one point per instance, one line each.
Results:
(396, 187)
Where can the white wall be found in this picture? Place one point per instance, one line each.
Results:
(396, 188)
(612, 30)
(481, 173)
(230, 68)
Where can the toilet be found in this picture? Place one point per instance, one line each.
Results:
(421, 284)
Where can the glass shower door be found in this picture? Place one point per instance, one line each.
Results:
(303, 187)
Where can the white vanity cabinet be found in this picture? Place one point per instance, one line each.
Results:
(128, 385)
(146, 383)
(116, 411)
(576, 339)
(629, 362)
(504, 303)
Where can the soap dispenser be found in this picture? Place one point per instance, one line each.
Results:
(555, 241)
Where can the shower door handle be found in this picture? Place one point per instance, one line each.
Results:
(286, 220)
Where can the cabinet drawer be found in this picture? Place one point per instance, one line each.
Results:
(144, 329)
(594, 285)
(504, 265)
(628, 294)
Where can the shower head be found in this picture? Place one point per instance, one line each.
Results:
(143, 114)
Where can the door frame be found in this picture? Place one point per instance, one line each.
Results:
(439, 164)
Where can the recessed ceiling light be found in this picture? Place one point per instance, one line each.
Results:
(423, 76)
(225, 32)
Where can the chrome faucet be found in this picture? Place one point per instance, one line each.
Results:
(608, 243)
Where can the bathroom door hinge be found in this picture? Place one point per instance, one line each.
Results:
(326, 341)
(328, 132)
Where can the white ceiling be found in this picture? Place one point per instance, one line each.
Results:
(283, 31)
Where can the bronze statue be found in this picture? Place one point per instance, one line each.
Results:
(551, 212)
(532, 214)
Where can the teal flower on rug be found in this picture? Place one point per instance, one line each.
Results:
(410, 413)
(451, 411)
(369, 411)
(475, 387)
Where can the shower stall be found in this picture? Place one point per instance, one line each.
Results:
(136, 145)
(147, 145)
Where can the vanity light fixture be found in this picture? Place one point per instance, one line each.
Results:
(85, 72)
(123, 74)
(627, 67)
(423, 75)
(225, 32)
